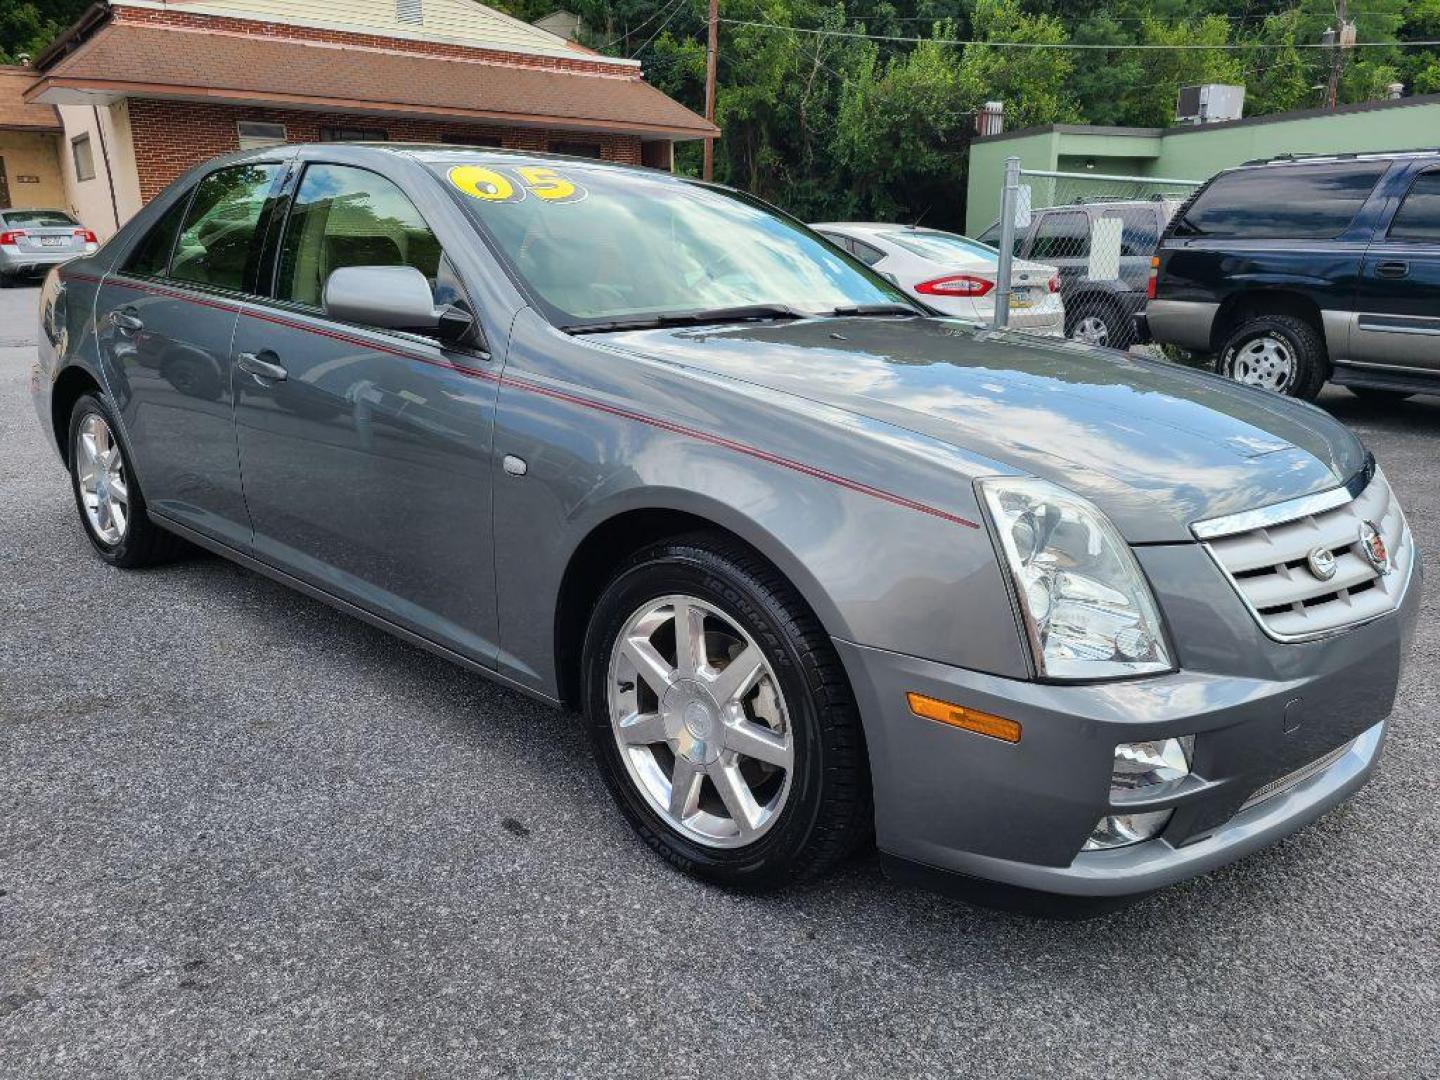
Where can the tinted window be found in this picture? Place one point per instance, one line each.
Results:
(1139, 230)
(1282, 201)
(1419, 215)
(1062, 236)
(151, 257)
(217, 245)
(37, 219)
(344, 216)
(942, 246)
(866, 253)
(576, 149)
(665, 245)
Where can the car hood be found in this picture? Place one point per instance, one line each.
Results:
(1155, 445)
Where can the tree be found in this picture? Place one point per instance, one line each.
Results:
(27, 28)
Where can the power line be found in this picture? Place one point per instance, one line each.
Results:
(1246, 46)
(674, 10)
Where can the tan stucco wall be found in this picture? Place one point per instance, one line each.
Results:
(33, 153)
(90, 200)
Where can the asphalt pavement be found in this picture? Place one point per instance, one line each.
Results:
(244, 835)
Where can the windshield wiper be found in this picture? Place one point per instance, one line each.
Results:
(704, 317)
(878, 309)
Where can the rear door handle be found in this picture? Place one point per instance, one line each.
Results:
(127, 320)
(1392, 269)
(261, 368)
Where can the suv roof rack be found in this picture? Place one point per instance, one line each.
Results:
(1353, 155)
(1089, 200)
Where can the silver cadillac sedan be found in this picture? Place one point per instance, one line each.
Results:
(815, 564)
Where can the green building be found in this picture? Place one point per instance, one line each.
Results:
(1194, 152)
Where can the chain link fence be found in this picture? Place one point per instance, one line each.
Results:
(1098, 232)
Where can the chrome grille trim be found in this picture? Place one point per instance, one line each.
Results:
(1282, 784)
(1265, 563)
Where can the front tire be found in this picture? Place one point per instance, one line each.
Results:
(1279, 353)
(107, 495)
(721, 718)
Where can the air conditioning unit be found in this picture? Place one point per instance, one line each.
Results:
(1209, 103)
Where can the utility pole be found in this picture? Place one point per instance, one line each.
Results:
(710, 86)
(1340, 43)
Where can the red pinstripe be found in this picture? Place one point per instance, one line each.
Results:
(559, 395)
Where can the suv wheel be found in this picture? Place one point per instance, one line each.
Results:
(721, 718)
(1097, 322)
(1279, 353)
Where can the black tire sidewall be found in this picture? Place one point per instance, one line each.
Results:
(1106, 312)
(116, 554)
(694, 571)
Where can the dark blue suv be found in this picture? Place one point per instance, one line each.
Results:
(1301, 269)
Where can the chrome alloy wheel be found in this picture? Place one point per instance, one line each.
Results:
(1092, 330)
(1266, 362)
(700, 721)
(104, 488)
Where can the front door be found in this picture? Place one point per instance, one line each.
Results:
(367, 466)
(164, 323)
(1397, 312)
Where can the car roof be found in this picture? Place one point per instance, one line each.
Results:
(1281, 160)
(875, 227)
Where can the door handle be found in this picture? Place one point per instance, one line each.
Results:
(263, 370)
(1392, 269)
(127, 321)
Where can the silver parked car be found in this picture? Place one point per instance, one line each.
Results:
(812, 563)
(34, 241)
(952, 274)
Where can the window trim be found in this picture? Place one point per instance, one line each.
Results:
(75, 143)
(1390, 237)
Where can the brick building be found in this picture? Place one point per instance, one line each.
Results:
(147, 88)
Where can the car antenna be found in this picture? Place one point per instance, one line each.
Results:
(921, 218)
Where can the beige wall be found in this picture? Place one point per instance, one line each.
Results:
(33, 153)
(90, 200)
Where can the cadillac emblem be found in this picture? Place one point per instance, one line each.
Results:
(1372, 545)
(1322, 563)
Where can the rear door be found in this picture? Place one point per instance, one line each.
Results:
(1397, 316)
(164, 322)
(367, 459)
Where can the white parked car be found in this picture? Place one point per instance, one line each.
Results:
(953, 274)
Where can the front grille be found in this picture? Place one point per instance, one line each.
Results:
(1299, 776)
(1266, 556)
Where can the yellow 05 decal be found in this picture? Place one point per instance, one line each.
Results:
(492, 185)
(482, 183)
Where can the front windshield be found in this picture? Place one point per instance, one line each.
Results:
(37, 219)
(942, 246)
(599, 244)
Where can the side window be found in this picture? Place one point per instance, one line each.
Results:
(1419, 215)
(1139, 230)
(867, 254)
(344, 216)
(842, 242)
(1282, 201)
(151, 257)
(1062, 236)
(217, 243)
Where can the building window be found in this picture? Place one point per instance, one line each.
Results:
(84, 158)
(409, 11)
(576, 149)
(353, 134)
(459, 138)
(255, 136)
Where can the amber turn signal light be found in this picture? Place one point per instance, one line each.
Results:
(982, 723)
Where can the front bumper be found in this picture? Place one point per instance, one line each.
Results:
(1019, 814)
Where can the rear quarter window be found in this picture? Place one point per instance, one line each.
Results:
(1291, 201)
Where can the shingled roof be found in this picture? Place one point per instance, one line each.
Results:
(125, 60)
(15, 113)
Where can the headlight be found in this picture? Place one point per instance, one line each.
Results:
(1087, 607)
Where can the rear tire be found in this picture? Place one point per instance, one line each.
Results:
(1097, 322)
(811, 803)
(1279, 353)
(107, 493)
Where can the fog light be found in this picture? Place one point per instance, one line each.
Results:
(1156, 761)
(1118, 830)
